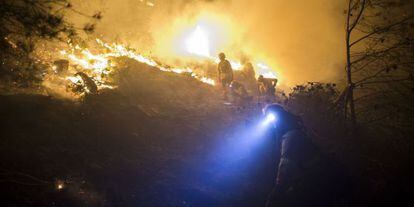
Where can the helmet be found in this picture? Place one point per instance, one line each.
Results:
(273, 108)
(286, 119)
(222, 55)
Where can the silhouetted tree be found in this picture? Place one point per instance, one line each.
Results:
(315, 103)
(379, 53)
(23, 24)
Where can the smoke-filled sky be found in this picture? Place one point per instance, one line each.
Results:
(302, 40)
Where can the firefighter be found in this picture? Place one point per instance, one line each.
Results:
(89, 84)
(304, 176)
(225, 73)
(249, 77)
(248, 71)
(239, 92)
(267, 88)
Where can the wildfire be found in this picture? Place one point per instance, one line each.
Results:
(197, 43)
(266, 71)
(60, 184)
(99, 66)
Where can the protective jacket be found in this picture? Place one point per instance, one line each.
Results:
(303, 176)
(225, 70)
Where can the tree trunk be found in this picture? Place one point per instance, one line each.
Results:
(350, 96)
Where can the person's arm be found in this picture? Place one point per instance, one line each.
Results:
(274, 83)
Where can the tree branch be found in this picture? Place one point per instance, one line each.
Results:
(372, 76)
(361, 68)
(358, 17)
(380, 30)
(384, 81)
(377, 52)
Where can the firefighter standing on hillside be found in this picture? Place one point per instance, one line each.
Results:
(225, 74)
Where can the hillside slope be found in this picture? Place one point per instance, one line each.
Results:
(154, 141)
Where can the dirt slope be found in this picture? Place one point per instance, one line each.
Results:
(151, 142)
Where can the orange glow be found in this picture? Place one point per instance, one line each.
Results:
(99, 65)
(198, 43)
(189, 40)
(204, 38)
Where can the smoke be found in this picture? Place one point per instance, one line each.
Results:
(302, 40)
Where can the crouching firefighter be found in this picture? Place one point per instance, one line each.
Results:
(267, 88)
(304, 176)
(239, 93)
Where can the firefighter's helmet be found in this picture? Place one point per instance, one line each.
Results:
(222, 56)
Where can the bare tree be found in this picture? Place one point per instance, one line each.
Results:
(379, 51)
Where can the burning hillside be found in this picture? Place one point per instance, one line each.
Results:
(98, 64)
(102, 65)
(182, 103)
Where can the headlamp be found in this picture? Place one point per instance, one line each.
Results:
(270, 118)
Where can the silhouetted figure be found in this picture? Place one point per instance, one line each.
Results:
(249, 77)
(248, 71)
(267, 88)
(225, 73)
(239, 93)
(304, 176)
(89, 84)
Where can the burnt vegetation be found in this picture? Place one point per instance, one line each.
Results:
(24, 24)
(152, 141)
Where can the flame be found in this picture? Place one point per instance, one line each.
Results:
(60, 184)
(198, 43)
(74, 79)
(118, 50)
(266, 71)
(99, 66)
(193, 37)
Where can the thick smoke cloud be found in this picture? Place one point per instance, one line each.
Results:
(303, 40)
